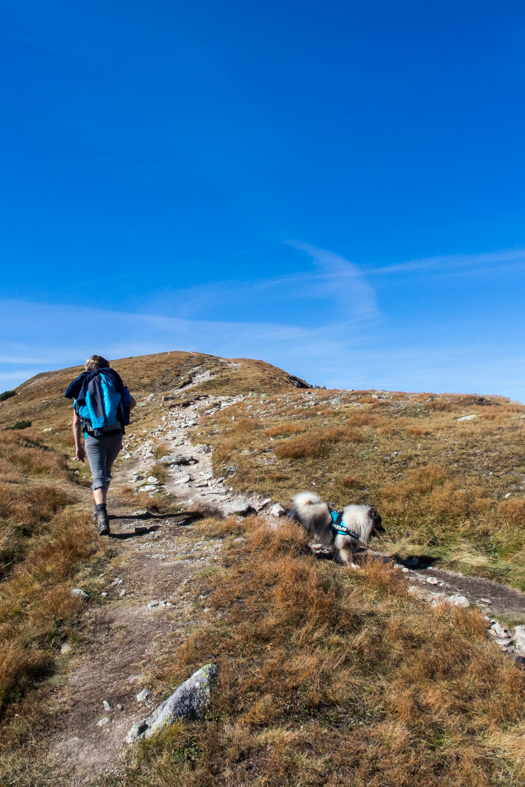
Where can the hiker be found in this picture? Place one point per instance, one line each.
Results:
(101, 409)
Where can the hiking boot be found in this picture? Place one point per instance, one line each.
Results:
(101, 520)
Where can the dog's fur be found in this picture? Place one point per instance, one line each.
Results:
(314, 516)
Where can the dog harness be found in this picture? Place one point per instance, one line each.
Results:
(337, 527)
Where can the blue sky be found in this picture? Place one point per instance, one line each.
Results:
(336, 188)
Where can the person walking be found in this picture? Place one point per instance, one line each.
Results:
(101, 409)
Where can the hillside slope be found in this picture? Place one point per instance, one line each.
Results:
(310, 655)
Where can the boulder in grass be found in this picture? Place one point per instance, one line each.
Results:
(79, 593)
(189, 701)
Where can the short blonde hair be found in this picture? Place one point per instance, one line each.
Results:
(96, 362)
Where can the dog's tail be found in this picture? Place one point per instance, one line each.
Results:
(300, 502)
(305, 499)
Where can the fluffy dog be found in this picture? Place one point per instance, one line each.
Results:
(342, 533)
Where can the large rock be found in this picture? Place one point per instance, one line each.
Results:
(458, 600)
(189, 701)
(238, 506)
(175, 459)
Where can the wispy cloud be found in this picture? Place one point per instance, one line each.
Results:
(322, 324)
(335, 292)
(494, 262)
(343, 282)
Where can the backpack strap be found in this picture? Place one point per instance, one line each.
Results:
(337, 527)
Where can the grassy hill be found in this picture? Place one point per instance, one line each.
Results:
(328, 676)
(46, 536)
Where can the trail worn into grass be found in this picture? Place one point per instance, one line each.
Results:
(129, 636)
(124, 641)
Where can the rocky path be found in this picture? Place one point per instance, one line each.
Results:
(189, 468)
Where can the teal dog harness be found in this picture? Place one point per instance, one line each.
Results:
(337, 527)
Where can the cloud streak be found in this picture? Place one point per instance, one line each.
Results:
(323, 325)
(335, 292)
(493, 262)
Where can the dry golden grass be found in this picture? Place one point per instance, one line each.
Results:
(437, 482)
(42, 541)
(314, 658)
(350, 482)
(285, 429)
(513, 511)
(36, 601)
(244, 425)
(160, 450)
(308, 445)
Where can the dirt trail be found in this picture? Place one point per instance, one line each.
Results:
(148, 609)
(150, 605)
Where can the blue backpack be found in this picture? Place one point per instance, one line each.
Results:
(104, 407)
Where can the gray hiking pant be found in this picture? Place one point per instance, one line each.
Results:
(101, 453)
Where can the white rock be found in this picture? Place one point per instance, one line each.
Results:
(183, 479)
(497, 630)
(143, 695)
(263, 503)
(117, 581)
(405, 570)
(432, 580)
(503, 642)
(519, 640)
(152, 480)
(277, 510)
(103, 721)
(80, 593)
(106, 705)
(238, 506)
(66, 647)
(458, 600)
(122, 593)
(466, 418)
(189, 701)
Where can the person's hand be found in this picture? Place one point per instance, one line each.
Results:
(80, 453)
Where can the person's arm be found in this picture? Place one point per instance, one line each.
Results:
(79, 448)
(132, 402)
